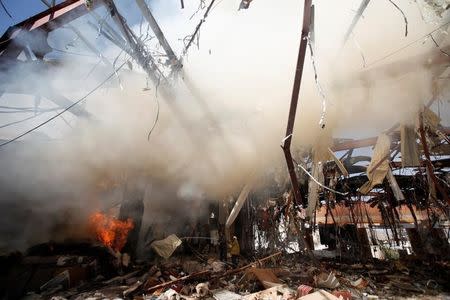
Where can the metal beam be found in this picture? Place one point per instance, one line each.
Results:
(64, 102)
(90, 46)
(83, 39)
(197, 28)
(355, 20)
(105, 27)
(294, 101)
(157, 30)
(49, 20)
(144, 59)
(353, 144)
(119, 43)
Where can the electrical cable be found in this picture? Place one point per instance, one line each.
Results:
(27, 110)
(63, 111)
(16, 107)
(4, 8)
(93, 68)
(157, 113)
(404, 16)
(217, 3)
(73, 53)
(201, 6)
(156, 120)
(115, 71)
(439, 47)
(407, 45)
(318, 85)
(20, 121)
(320, 184)
(358, 46)
(197, 29)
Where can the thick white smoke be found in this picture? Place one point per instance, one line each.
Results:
(223, 126)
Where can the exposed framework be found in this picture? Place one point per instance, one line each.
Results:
(14, 41)
(417, 188)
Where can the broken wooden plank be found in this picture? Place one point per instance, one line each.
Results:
(238, 205)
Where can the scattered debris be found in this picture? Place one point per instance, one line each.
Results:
(320, 295)
(304, 290)
(167, 280)
(344, 295)
(167, 246)
(59, 282)
(226, 295)
(265, 276)
(360, 283)
(325, 280)
(202, 290)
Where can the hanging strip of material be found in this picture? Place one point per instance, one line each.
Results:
(286, 145)
(379, 165)
(409, 149)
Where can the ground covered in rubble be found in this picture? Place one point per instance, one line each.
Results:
(93, 272)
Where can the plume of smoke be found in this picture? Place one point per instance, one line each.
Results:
(206, 142)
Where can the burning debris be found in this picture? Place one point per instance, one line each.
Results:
(111, 232)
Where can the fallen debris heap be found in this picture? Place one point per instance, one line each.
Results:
(88, 273)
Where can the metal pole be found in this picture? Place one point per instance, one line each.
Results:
(294, 101)
(156, 29)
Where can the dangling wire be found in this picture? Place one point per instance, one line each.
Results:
(358, 46)
(319, 87)
(320, 184)
(188, 40)
(63, 111)
(156, 119)
(22, 120)
(115, 70)
(437, 45)
(157, 111)
(201, 6)
(404, 16)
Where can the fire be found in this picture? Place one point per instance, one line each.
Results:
(110, 231)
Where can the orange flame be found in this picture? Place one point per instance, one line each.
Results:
(110, 231)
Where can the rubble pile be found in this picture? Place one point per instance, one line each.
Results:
(94, 273)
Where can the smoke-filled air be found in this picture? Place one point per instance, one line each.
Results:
(224, 119)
